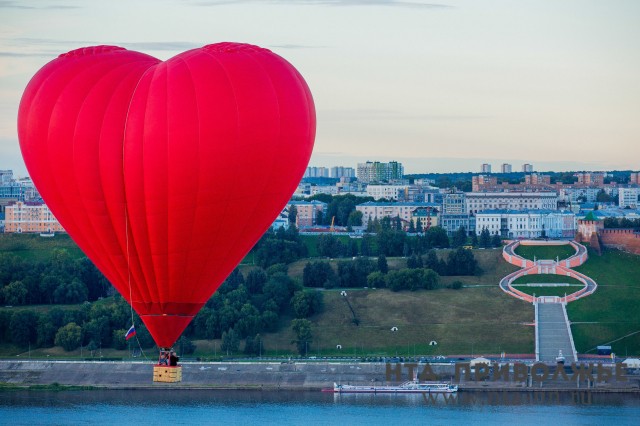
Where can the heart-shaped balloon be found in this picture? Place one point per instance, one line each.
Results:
(167, 173)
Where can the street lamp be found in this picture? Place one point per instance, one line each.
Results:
(394, 330)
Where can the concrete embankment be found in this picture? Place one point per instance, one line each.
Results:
(267, 376)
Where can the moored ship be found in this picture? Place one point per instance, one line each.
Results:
(412, 386)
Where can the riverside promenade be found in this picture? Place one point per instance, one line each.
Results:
(553, 329)
(303, 376)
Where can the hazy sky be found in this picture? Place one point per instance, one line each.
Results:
(441, 86)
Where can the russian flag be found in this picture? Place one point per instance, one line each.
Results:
(130, 333)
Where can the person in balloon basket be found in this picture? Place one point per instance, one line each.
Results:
(173, 359)
(164, 358)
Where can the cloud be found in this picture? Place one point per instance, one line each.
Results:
(381, 114)
(5, 4)
(43, 47)
(295, 46)
(40, 54)
(394, 3)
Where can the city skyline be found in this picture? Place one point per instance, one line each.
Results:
(439, 87)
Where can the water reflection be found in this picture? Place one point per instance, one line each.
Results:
(204, 407)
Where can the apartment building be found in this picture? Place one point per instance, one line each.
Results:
(628, 197)
(480, 201)
(30, 217)
(375, 171)
(377, 210)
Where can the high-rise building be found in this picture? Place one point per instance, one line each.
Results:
(313, 172)
(340, 172)
(6, 177)
(589, 178)
(379, 172)
(505, 168)
(527, 168)
(486, 168)
(537, 179)
(628, 197)
(30, 217)
(635, 178)
(477, 182)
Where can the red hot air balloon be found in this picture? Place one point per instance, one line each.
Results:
(167, 173)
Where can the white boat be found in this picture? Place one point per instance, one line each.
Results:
(412, 386)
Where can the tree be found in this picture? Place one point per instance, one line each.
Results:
(376, 280)
(14, 294)
(431, 260)
(118, 340)
(456, 285)
(485, 238)
(459, 238)
(306, 303)
(461, 262)
(431, 279)
(474, 239)
(253, 345)
(496, 241)
(414, 262)
(319, 274)
(230, 341)
(355, 218)
(382, 264)
(364, 245)
(96, 284)
(437, 237)
(353, 247)
(185, 345)
(293, 214)
(303, 336)
(47, 330)
(419, 229)
(70, 292)
(280, 288)
(69, 337)
(24, 328)
(256, 279)
(330, 246)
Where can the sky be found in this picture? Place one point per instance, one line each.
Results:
(441, 86)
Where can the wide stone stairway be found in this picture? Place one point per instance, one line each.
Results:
(553, 333)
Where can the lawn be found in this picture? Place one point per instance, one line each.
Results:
(549, 291)
(547, 278)
(35, 247)
(612, 312)
(545, 252)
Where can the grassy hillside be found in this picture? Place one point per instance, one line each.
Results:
(478, 319)
(613, 311)
(35, 247)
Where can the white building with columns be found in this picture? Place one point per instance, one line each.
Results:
(527, 223)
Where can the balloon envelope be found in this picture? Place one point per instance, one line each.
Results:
(167, 173)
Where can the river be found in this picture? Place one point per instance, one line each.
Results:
(200, 407)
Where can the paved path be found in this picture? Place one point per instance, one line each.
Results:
(553, 333)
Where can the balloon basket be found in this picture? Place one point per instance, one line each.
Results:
(167, 374)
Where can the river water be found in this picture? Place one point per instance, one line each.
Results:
(200, 407)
